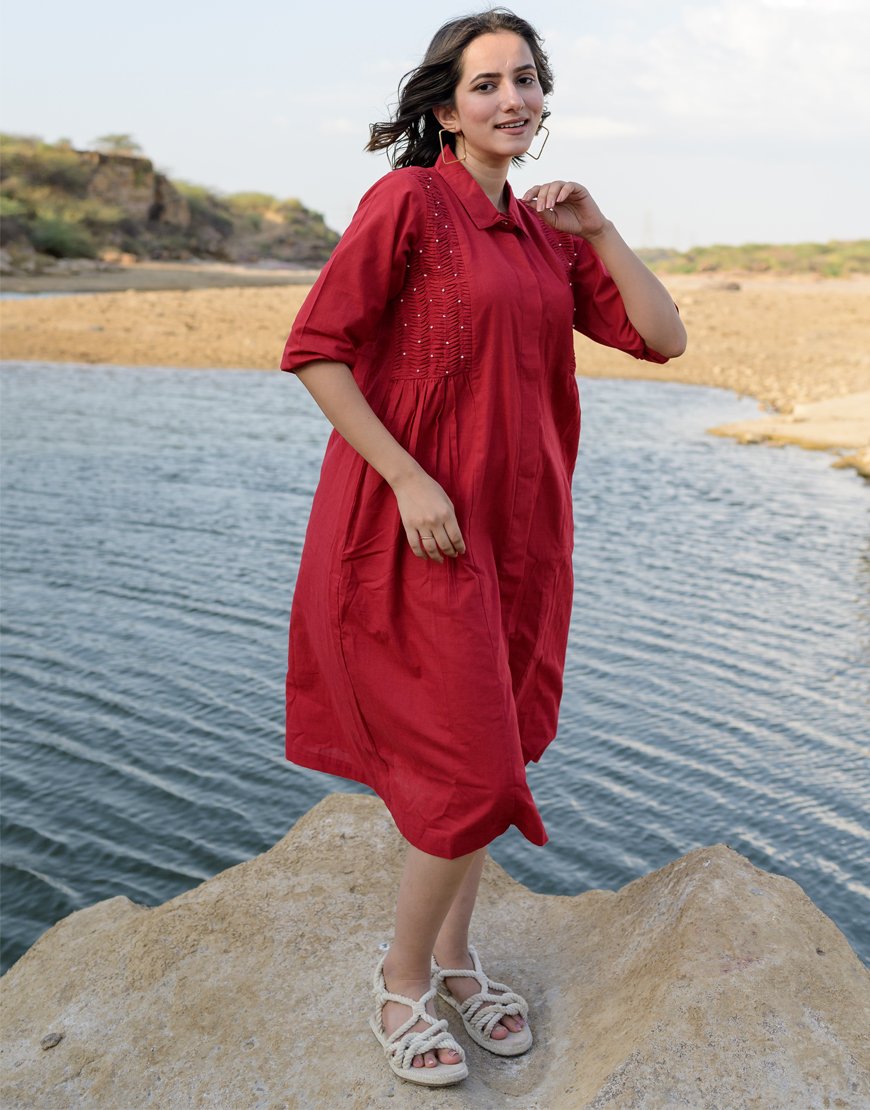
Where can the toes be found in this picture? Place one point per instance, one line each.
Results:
(448, 1055)
(417, 1062)
(508, 1024)
(429, 1060)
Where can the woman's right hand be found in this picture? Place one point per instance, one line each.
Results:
(426, 510)
(429, 517)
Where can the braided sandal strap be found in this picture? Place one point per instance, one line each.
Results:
(402, 1044)
(484, 1009)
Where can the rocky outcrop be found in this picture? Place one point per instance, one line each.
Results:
(59, 202)
(707, 983)
(132, 184)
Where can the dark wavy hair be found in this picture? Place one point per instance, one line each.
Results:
(413, 130)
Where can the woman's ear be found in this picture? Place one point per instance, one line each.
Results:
(446, 116)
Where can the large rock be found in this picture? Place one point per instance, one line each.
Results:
(130, 183)
(706, 984)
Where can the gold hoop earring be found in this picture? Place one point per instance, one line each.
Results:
(441, 142)
(543, 144)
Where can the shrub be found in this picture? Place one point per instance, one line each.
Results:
(44, 164)
(62, 239)
(251, 202)
(10, 206)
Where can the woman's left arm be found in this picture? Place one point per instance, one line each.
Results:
(569, 207)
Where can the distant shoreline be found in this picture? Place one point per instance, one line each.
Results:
(84, 276)
(790, 342)
(156, 277)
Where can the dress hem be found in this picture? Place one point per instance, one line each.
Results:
(420, 838)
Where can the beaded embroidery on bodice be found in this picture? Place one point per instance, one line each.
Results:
(434, 309)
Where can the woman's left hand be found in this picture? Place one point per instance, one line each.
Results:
(567, 206)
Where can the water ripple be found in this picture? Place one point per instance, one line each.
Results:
(715, 683)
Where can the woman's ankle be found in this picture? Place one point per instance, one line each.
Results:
(452, 954)
(406, 972)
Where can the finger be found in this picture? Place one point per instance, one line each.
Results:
(431, 547)
(541, 198)
(567, 189)
(537, 195)
(416, 546)
(450, 539)
(454, 534)
(445, 544)
(548, 200)
(561, 190)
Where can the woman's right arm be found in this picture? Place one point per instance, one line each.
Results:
(427, 512)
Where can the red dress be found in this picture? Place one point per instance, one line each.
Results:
(432, 683)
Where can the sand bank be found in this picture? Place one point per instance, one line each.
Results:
(841, 424)
(787, 342)
(88, 277)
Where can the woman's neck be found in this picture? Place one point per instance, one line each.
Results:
(491, 178)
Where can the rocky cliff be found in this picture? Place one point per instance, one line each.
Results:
(57, 202)
(706, 984)
(134, 186)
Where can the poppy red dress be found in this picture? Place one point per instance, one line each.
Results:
(436, 683)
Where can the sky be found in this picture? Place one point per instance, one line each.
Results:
(694, 122)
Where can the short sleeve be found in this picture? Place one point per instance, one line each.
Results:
(364, 273)
(599, 311)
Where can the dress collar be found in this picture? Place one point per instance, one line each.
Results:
(477, 204)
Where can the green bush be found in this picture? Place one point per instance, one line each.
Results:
(10, 206)
(191, 191)
(62, 239)
(833, 259)
(43, 164)
(251, 202)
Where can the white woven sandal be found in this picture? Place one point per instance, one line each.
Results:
(483, 1010)
(401, 1046)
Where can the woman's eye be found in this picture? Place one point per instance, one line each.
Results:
(485, 86)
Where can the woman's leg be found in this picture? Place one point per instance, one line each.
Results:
(428, 887)
(451, 944)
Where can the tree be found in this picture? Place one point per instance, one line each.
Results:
(117, 144)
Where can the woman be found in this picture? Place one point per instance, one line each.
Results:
(430, 618)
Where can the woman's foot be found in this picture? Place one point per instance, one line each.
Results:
(463, 987)
(395, 1013)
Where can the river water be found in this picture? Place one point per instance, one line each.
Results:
(715, 687)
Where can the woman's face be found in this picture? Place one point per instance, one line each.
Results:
(498, 101)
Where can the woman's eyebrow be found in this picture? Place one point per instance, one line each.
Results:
(519, 69)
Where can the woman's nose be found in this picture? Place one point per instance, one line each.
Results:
(511, 98)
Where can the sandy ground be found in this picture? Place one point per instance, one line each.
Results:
(787, 342)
